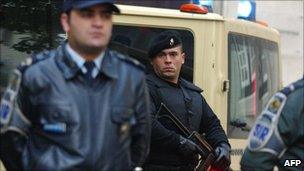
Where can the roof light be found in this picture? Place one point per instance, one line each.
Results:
(246, 10)
(262, 23)
(193, 8)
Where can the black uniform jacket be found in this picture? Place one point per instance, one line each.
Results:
(79, 126)
(186, 102)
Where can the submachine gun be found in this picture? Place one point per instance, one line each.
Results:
(204, 149)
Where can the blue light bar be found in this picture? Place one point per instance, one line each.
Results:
(246, 10)
(206, 3)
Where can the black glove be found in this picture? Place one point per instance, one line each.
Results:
(186, 147)
(222, 154)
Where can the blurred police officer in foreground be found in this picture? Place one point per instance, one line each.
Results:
(277, 137)
(81, 106)
(170, 150)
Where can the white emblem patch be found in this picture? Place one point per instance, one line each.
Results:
(171, 41)
(5, 111)
(8, 99)
(266, 123)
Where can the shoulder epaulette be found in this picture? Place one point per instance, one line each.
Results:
(129, 60)
(293, 86)
(190, 86)
(155, 81)
(35, 58)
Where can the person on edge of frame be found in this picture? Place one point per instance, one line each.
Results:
(277, 137)
(81, 106)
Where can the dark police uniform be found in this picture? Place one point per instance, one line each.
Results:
(69, 124)
(186, 102)
(278, 134)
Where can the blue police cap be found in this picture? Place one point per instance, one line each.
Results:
(165, 40)
(79, 4)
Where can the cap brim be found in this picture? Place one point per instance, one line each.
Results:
(113, 7)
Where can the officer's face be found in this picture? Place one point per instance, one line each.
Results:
(167, 64)
(89, 30)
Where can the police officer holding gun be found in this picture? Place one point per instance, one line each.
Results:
(79, 107)
(170, 150)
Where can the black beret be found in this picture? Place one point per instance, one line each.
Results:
(165, 40)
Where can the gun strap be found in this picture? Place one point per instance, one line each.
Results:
(159, 99)
(188, 104)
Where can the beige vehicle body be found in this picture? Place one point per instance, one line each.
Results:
(220, 46)
(235, 62)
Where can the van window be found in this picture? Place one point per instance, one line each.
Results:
(253, 73)
(134, 41)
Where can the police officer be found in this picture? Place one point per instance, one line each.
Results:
(169, 149)
(79, 107)
(277, 138)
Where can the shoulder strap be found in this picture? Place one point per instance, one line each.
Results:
(128, 60)
(293, 87)
(188, 104)
(158, 99)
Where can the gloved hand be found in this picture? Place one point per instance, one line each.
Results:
(186, 146)
(222, 154)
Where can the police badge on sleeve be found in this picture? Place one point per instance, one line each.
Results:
(8, 99)
(264, 135)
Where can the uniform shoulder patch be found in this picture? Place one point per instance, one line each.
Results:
(264, 132)
(6, 108)
(129, 60)
(8, 98)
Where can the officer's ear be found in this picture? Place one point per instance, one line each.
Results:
(151, 61)
(64, 19)
(183, 57)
